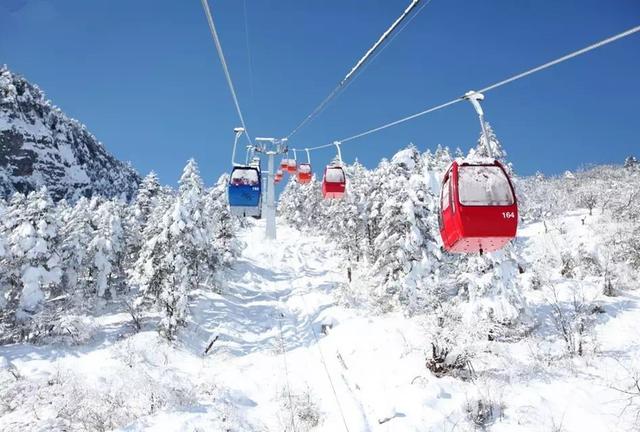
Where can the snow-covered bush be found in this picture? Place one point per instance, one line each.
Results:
(450, 351)
(69, 330)
(76, 402)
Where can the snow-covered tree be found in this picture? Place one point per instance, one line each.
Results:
(76, 232)
(491, 149)
(107, 249)
(177, 258)
(405, 236)
(31, 258)
(631, 162)
(137, 216)
(221, 224)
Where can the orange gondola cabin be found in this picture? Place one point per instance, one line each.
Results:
(478, 207)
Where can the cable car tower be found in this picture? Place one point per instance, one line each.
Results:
(270, 147)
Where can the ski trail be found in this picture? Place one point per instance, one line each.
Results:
(275, 298)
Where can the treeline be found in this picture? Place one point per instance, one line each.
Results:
(63, 259)
(387, 229)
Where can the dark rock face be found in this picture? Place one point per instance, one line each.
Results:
(41, 146)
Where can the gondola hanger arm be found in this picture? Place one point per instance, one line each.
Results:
(337, 144)
(238, 131)
(475, 98)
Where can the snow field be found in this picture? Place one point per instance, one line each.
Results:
(275, 302)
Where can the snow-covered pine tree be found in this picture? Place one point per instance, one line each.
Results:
(31, 259)
(107, 249)
(482, 148)
(405, 234)
(145, 201)
(180, 255)
(442, 159)
(378, 194)
(354, 232)
(138, 214)
(291, 205)
(301, 204)
(221, 223)
(76, 232)
(631, 162)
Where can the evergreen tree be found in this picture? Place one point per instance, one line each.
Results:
(145, 201)
(497, 151)
(405, 236)
(221, 224)
(76, 233)
(175, 259)
(31, 259)
(107, 249)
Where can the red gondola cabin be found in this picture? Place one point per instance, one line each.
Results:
(334, 182)
(278, 176)
(478, 207)
(292, 166)
(304, 173)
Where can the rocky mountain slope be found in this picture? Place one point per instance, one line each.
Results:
(41, 146)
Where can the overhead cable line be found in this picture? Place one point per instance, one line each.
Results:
(352, 73)
(216, 40)
(487, 88)
(391, 39)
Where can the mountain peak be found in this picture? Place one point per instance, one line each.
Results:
(41, 146)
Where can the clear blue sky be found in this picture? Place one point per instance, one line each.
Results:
(144, 77)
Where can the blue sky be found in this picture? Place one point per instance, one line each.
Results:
(144, 77)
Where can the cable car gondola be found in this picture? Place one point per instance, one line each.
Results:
(334, 181)
(245, 191)
(478, 206)
(278, 176)
(304, 173)
(479, 212)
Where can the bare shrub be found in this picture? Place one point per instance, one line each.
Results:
(568, 265)
(573, 322)
(304, 409)
(443, 362)
(588, 200)
(483, 411)
(630, 389)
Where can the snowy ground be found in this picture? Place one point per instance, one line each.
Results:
(288, 356)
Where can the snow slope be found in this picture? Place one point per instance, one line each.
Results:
(287, 353)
